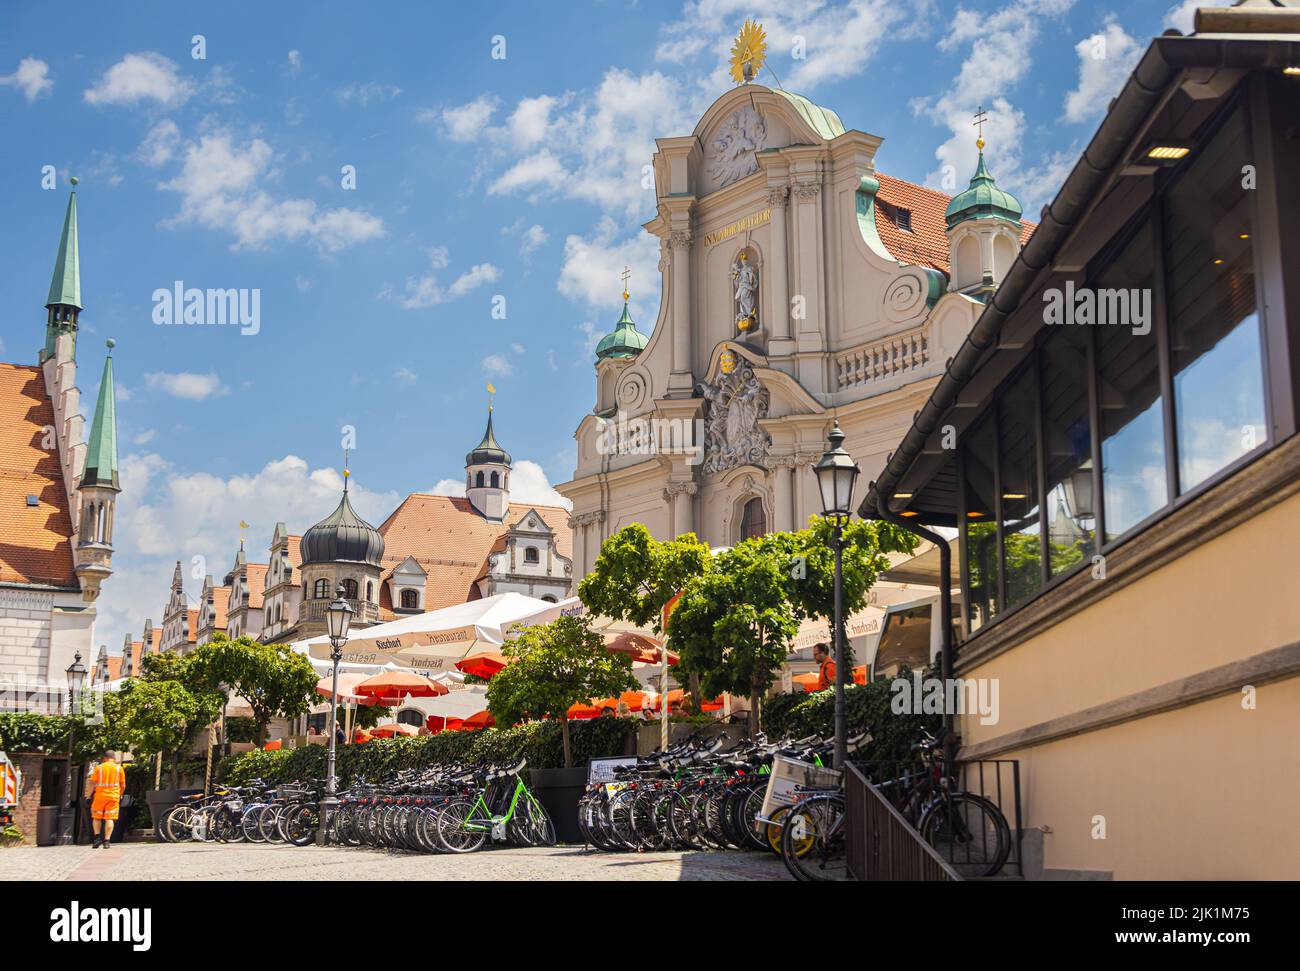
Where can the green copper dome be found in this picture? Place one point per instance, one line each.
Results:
(982, 200)
(624, 341)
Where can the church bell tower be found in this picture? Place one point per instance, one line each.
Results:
(487, 476)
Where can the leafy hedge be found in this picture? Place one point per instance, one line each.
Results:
(866, 707)
(538, 742)
(26, 732)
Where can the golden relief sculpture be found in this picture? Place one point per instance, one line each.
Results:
(748, 52)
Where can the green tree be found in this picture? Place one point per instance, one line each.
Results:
(554, 666)
(274, 680)
(734, 623)
(161, 716)
(636, 575)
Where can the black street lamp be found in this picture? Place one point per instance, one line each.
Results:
(837, 474)
(339, 617)
(76, 673)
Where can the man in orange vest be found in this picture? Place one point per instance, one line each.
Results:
(825, 666)
(104, 789)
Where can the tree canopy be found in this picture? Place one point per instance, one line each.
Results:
(275, 681)
(552, 667)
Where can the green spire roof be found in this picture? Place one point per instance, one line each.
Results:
(65, 286)
(982, 200)
(488, 452)
(101, 450)
(624, 341)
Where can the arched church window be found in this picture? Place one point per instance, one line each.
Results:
(753, 521)
(410, 716)
(370, 592)
(350, 589)
(478, 480)
(322, 589)
(530, 554)
(496, 480)
(410, 600)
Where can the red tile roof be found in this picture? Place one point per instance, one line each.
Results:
(927, 243)
(451, 543)
(256, 583)
(35, 542)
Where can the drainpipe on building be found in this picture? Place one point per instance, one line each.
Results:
(945, 617)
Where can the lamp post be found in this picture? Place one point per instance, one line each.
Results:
(76, 673)
(339, 616)
(837, 474)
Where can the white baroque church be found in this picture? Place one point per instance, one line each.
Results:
(799, 286)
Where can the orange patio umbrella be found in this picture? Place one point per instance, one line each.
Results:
(635, 700)
(808, 682)
(393, 728)
(583, 709)
(484, 664)
(453, 725)
(396, 685)
(714, 705)
(483, 719)
(347, 689)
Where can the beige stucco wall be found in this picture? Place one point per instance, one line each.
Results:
(1203, 791)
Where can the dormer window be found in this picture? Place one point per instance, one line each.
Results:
(900, 217)
(410, 600)
(530, 554)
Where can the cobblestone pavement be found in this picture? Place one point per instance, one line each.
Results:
(199, 861)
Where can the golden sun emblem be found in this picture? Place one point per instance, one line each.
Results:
(748, 53)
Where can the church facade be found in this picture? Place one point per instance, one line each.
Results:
(800, 285)
(58, 493)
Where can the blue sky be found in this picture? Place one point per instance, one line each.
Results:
(477, 178)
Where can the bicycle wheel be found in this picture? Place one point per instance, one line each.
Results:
(621, 827)
(969, 832)
(747, 812)
(681, 823)
(454, 831)
(812, 840)
(179, 824)
(300, 823)
(772, 831)
(225, 827)
(267, 818)
(248, 823)
(530, 825)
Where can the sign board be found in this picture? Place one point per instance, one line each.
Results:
(602, 770)
(787, 775)
(11, 782)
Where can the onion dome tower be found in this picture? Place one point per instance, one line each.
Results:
(487, 476)
(616, 351)
(984, 229)
(341, 549)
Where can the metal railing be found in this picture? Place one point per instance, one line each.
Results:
(881, 844)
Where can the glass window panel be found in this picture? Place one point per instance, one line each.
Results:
(979, 458)
(1213, 325)
(1017, 453)
(1067, 447)
(1128, 388)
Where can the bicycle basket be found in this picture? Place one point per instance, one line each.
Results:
(788, 776)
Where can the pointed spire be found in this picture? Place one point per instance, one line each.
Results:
(101, 450)
(488, 451)
(65, 285)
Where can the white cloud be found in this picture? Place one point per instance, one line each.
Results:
(164, 515)
(528, 486)
(219, 185)
(147, 76)
(32, 78)
(497, 366)
(1105, 61)
(427, 291)
(160, 144)
(185, 384)
(593, 267)
(532, 238)
(1182, 15)
(405, 375)
(295, 62)
(372, 92)
(466, 122)
(539, 171)
(145, 437)
(530, 120)
(999, 47)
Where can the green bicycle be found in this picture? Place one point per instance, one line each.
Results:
(502, 810)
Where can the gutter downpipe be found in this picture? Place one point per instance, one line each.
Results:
(945, 616)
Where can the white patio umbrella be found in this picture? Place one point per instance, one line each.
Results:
(436, 640)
